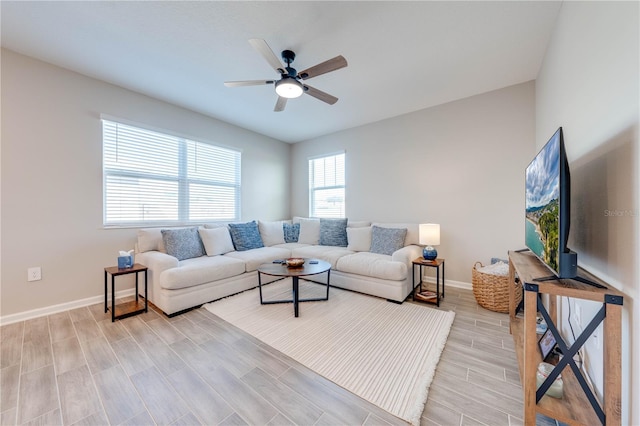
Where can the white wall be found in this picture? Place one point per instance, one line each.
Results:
(52, 177)
(459, 164)
(589, 84)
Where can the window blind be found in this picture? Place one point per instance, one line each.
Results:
(327, 186)
(152, 178)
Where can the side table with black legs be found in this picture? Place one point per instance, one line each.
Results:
(438, 264)
(127, 309)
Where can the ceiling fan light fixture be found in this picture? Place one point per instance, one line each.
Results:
(289, 88)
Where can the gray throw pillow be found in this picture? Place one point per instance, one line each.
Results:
(184, 243)
(333, 232)
(387, 240)
(291, 232)
(245, 236)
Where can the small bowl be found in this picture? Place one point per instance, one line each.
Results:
(294, 262)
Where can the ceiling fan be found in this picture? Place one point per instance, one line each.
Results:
(292, 83)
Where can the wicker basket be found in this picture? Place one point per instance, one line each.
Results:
(492, 291)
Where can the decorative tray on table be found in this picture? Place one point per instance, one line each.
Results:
(294, 262)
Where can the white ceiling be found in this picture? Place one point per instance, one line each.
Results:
(403, 56)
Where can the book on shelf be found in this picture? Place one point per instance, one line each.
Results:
(426, 295)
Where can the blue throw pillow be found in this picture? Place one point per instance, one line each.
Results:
(333, 232)
(291, 232)
(245, 236)
(184, 243)
(387, 240)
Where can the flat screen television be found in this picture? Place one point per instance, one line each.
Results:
(548, 193)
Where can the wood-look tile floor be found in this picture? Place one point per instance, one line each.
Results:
(79, 368)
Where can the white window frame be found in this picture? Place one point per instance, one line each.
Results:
(337, 182)
(179, 178)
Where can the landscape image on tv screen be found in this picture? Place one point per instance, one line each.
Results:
(542, 203)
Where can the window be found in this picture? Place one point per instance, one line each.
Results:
(153, 178)
(326, 186)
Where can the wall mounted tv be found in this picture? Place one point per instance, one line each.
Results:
(547, 194)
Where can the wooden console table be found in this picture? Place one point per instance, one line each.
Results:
(578, 406)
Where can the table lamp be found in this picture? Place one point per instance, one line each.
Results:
(429, 237)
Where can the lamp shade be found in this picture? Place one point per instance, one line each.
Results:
(430, 234)
(289, 88)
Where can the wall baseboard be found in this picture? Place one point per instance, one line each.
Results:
(450, 283)
(54, 309)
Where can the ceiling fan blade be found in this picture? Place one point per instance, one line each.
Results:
(324, 67)
(248, 83)
(319, 94)
(280, 104)
(263, 48)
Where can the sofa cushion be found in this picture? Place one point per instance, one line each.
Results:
(309, 231)
(358, 224)
(291, 246)
(245, 236)
(183, 243)
(216, 241)
(327, 253)
(333, 232)
(201, 270)
(256, 257)
(387, 240)
(291, 232)
(372, 265)
(272, 233)
(413, 233)
(150, 239)
(216, 225)
(359, 239)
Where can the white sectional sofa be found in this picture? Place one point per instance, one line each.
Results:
(225, 265)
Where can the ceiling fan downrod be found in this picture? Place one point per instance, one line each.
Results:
(289, 56)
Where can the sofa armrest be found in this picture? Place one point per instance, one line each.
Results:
(407, 254)
(156, 261)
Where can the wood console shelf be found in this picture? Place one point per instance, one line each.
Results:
(577, 405)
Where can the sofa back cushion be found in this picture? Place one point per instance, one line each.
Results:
(182, 243)
(150, 239)
(333, 232)
(358, 224)
(271, 233)
(359, 238)
(216, 241)
(387, 240)
(309, 231)
(245, 236)
(216, 225)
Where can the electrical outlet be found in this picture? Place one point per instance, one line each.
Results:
(34, 274)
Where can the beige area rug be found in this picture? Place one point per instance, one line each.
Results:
(384, 352)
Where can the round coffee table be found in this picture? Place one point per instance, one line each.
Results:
(310, 267)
